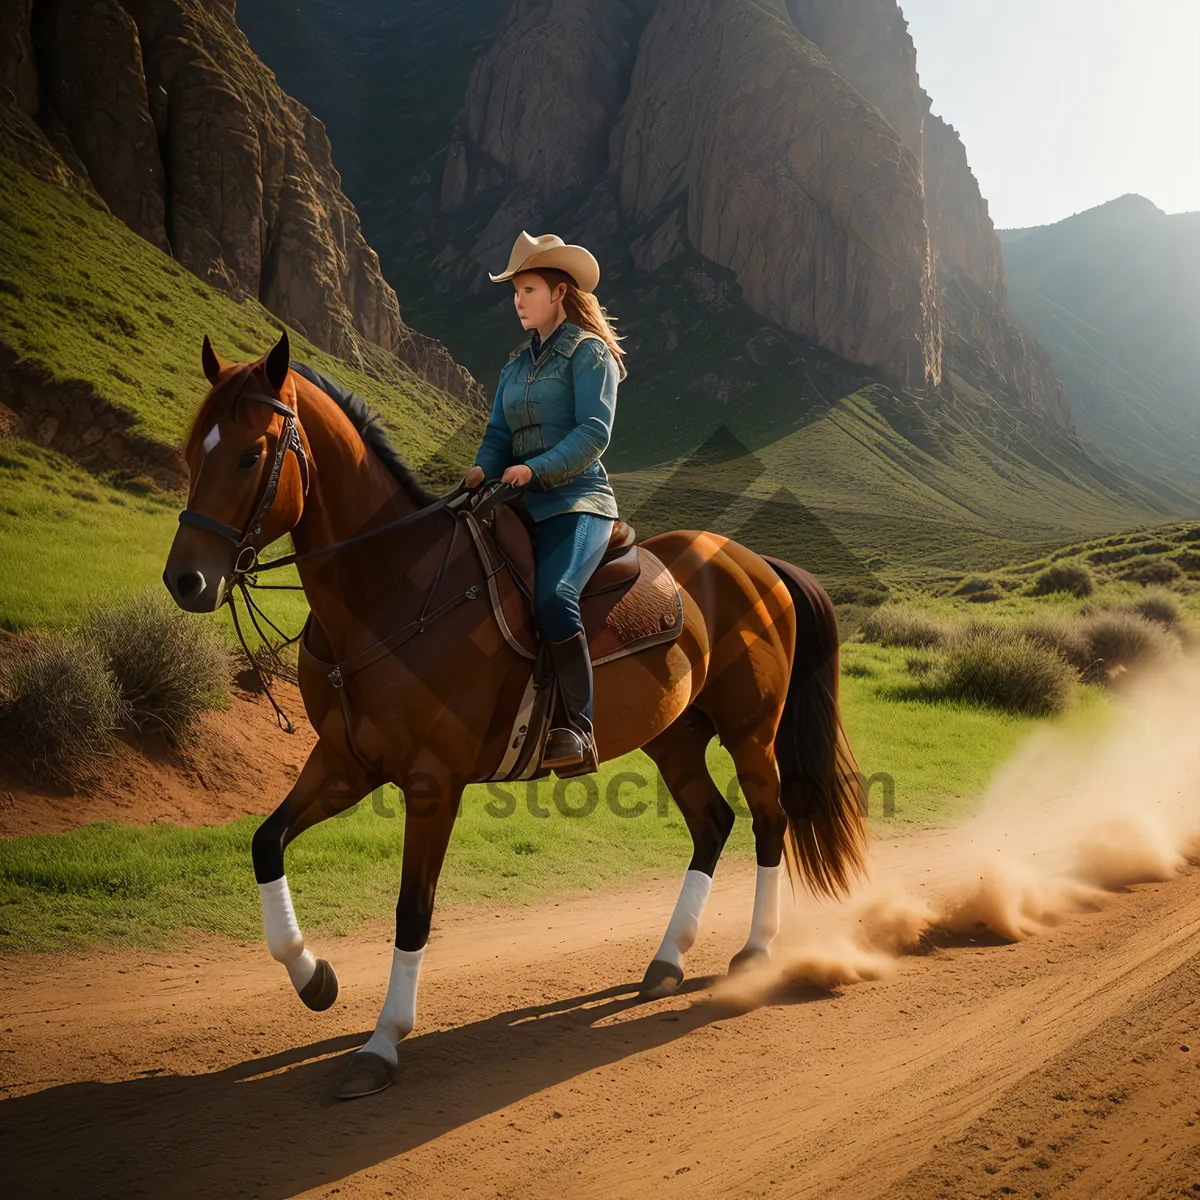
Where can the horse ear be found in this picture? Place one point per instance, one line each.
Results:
(278, 362)
(210, 361)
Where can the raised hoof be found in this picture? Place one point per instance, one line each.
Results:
(365, 1074)
(322, 989)
(745, 959)
(661, 979)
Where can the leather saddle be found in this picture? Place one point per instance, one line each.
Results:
(630, 602)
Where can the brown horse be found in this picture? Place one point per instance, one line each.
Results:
(756, 663)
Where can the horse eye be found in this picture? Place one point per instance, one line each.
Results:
(249, 458)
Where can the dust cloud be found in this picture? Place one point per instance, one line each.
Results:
(1070, 819)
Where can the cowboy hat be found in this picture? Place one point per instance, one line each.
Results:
(549, 250)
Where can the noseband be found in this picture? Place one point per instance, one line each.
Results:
(289, 439)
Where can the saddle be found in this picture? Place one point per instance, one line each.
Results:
(629, 603)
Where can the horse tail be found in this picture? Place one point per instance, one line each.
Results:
(821, 785)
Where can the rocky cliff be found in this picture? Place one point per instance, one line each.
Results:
(159, 110)
(789, 141)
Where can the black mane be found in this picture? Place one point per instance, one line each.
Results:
(366, 423)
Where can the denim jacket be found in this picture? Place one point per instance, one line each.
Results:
(555, 415)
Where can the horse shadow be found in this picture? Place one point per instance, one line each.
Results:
(270, 1127)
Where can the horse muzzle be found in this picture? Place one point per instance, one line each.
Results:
(194, 588)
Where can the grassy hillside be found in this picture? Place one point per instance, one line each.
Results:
(70, 542)
(84, 299)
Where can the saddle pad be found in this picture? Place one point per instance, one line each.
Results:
(625, 620)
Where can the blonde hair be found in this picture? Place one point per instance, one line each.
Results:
(583, 309)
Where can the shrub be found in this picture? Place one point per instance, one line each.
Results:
(1064, 634)
(898, 625)
(62, 709)
(169, 667)
(973, 584)
(1121, 639)
(1150, 570)
(920, 664)
(1159, 606)
(1005, 670)
(1064, 577)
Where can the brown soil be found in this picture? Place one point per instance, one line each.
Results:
(238, 762)
(1066, 1065)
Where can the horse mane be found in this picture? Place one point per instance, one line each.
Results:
(365, 421)
(367, 426)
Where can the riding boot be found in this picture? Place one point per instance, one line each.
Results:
(571, 748)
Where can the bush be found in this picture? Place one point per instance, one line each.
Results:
(1159, 606)
(1121, 639)
(1064, 577)
(898, 625)
(62, 710)
(169, 667)
(1062, 633)
(1003, 669)
(1150, 570)
(973, 584)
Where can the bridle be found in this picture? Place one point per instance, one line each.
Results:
(289, 439)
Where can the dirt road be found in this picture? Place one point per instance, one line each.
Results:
(1064, 1065)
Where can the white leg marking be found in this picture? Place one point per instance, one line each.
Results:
(764, 924)
(284, 939)
(211, 439)
(400, 1008)
(685, 920)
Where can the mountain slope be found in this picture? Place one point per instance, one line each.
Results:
(159, 111)
(1114, 295)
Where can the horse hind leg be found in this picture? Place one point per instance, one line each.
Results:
(679, 754)
(758, 776)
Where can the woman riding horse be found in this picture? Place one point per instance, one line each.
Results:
(407, 677)
(551, 420)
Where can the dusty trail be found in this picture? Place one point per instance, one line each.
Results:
(1054, 1066)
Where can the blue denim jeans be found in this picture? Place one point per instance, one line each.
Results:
(569, 545)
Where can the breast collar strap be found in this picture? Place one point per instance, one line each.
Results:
(289, 439)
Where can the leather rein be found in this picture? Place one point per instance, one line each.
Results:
(246, 569)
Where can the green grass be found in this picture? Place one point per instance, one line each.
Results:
(70, 543)
(111, 884)
(82, 298)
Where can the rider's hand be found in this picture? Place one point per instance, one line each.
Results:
(474, 476)
(517, 474)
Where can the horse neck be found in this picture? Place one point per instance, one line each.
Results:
(351, 492)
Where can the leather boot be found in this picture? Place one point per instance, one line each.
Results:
(571, 749)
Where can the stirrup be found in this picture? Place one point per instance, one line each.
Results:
(569, 753)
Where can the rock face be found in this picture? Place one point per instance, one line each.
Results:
(162, 112)
(534, 127)
(789, 141)
(867, 41)
(825, 234)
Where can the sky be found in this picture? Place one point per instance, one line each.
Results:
(1066, 104)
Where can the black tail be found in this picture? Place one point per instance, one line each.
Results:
(821, 785)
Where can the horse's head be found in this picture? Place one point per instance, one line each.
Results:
(245, 489)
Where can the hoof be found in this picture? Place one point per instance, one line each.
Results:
(322, 989)
(744, 959)
(661, 979)
(364, 1074)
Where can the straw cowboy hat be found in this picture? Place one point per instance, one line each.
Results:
(549, 250)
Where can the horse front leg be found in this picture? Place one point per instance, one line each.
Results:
(431, 800)
(326, 786)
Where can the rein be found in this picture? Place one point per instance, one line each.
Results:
(246, 570)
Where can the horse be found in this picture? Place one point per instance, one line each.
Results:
(755, 662)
